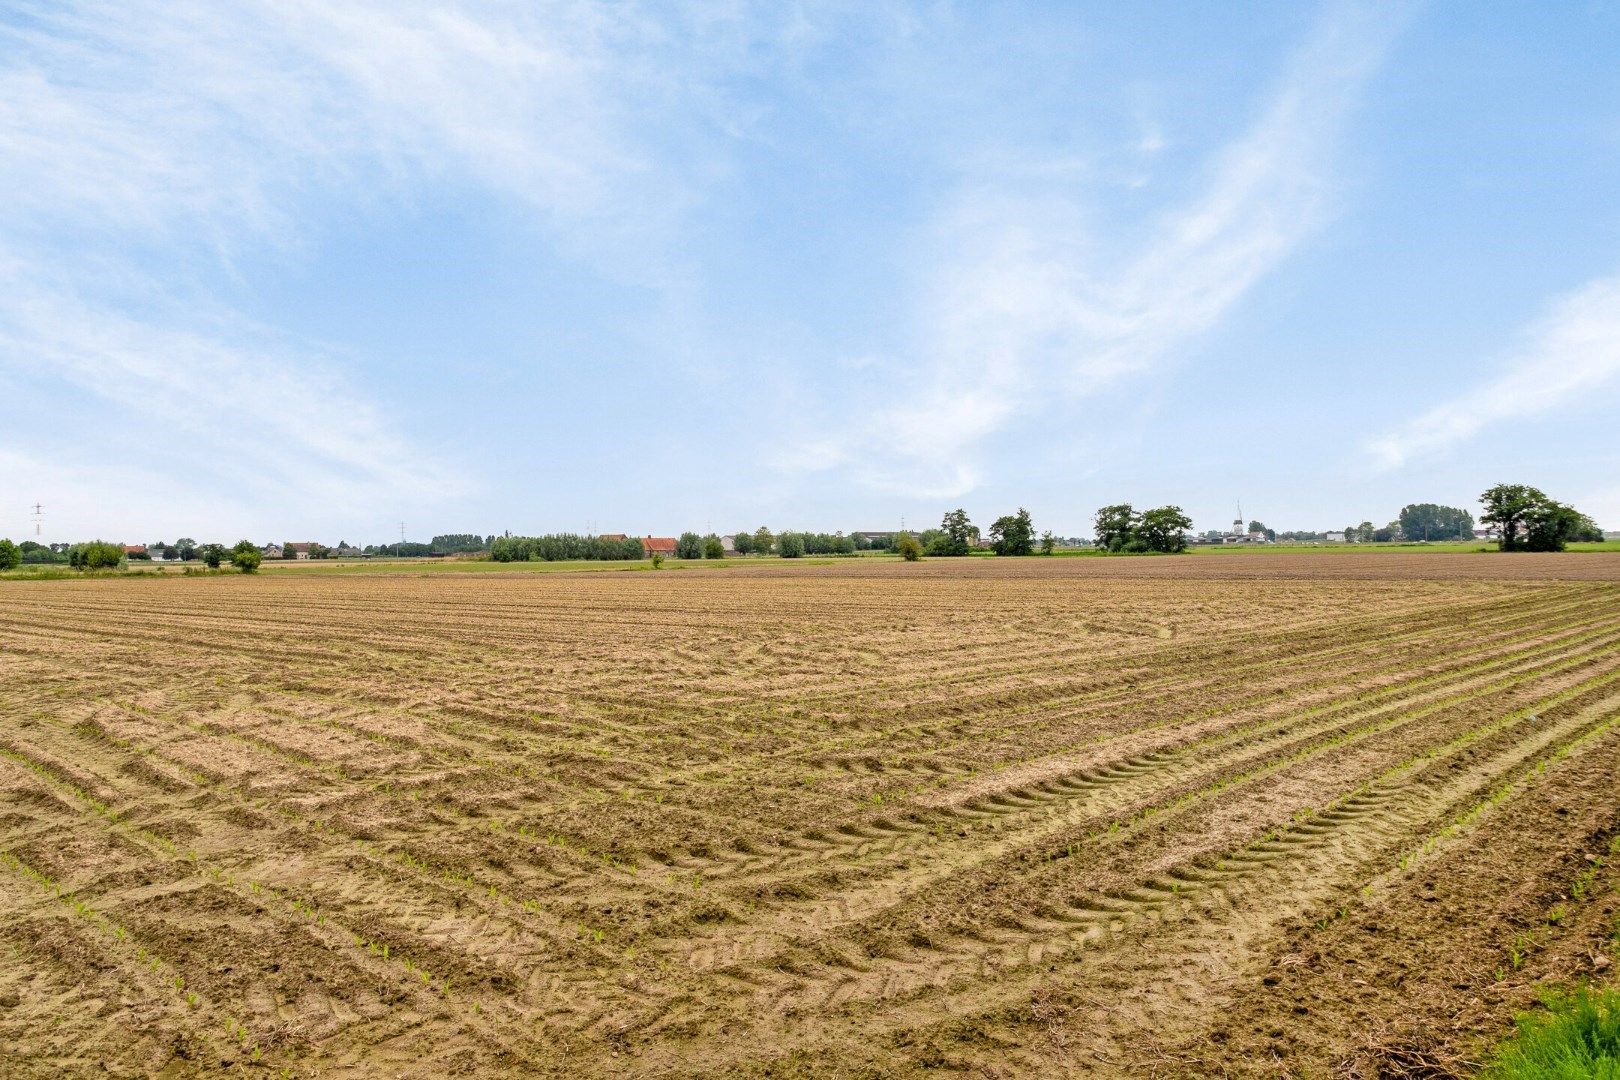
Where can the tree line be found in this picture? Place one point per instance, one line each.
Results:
(556, 547)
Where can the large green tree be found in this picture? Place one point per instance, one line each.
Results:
(1164, 528)
(1529, 520)
(764, 542)
(689, 546)
(1115, 526)
(1507, 506)
(958, 534)
(1013, 534)
(10, 555)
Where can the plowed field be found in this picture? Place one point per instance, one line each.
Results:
(1180, 817)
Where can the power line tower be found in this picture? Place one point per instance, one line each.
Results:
(39, 518)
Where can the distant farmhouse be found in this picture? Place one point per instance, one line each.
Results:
(299, 551)
(1334, 537)
(659, 545)
(271, 551)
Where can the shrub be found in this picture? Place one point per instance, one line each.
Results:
(713, 548)
(10, 555)
(34, 553)
(245, 556)
(212, 555)
(1578, 1037)
(790, 545)
(908, 547)
(96, 555)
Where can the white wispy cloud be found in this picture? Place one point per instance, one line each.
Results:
(146, 147)
(1573, 349)
(1018, 311)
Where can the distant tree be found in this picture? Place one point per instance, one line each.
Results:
(170, 551)
(287, 551)
(1587, 532)
(1115, 525)
(10, 555)
(34, 553)
(689, 546)
(957, 535)
(1551, 525)
(245, 556)
(713, 548)
(1430, 521)
(453, 543)
(212, 555)
(1256, 527)
(96, 555)
(790, 545)
(1048, 542)
(1507, 508)
(186, 548)
(1365, 532)
(1013, 534)
(908, 547)
(743, 541)
(1164, 529)
(764, 542)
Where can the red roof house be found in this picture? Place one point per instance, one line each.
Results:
(659, 545)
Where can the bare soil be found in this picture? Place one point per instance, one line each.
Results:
(1287, 815)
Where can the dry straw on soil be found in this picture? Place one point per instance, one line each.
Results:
(1135, 817)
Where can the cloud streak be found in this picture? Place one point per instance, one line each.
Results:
(1574, 348)
(1017, 314)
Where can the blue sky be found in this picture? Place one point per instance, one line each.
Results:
(286, 269)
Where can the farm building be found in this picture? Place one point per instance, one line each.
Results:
(271, 551)
(299, 550)
(1333, 537)
(659, 545)
(136, 551)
